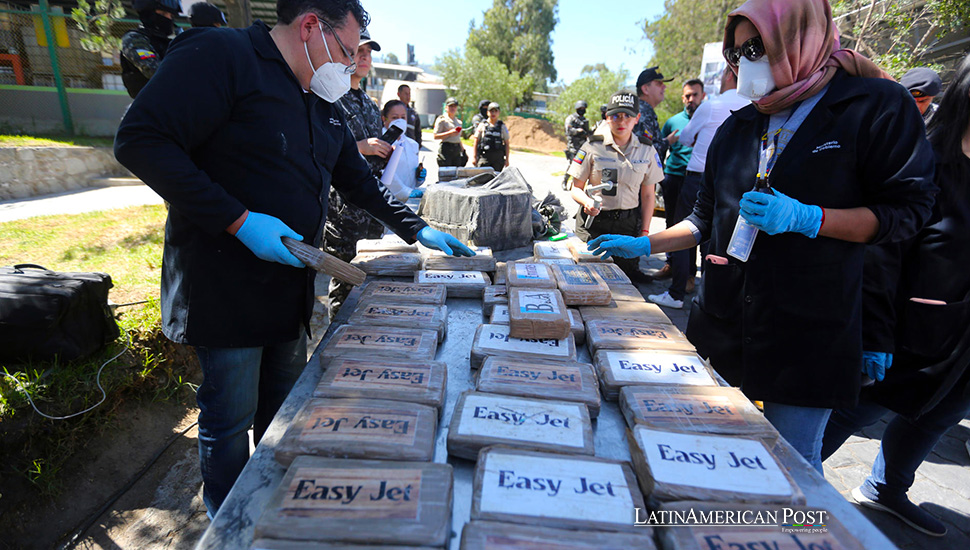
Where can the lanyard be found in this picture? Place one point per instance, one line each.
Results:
(769, 153)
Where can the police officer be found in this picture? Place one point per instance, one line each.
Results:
(651, 86)
(480, 117)
(614, 154)
(492, 141)
(577, 131)
(142, 49)
(602, 120)
(346, 223)
(204, 14)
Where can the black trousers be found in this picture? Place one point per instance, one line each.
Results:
(452, 154)
(616, 222)
(495, 160)
(683, 262)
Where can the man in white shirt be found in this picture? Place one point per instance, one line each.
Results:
(698, 134)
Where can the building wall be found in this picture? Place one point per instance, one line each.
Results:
(36, 110)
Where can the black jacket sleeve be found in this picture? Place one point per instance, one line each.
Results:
(190, 94)
(354, 180)
(897, 167)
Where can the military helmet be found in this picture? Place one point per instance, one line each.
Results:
(483, 104)
(580, 105)
(603, 108)
(204, 14)
(172, 6)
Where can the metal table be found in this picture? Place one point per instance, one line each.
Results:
(233, 526)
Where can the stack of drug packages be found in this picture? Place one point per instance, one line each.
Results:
(359, 451)
(390, 256)
(695, 444)
(528, 424)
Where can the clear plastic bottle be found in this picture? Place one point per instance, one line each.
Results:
(742, 240)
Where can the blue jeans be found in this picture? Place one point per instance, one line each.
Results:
(802, 427)
(241, 388)
(905, 444)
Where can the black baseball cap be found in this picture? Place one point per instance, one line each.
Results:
(922, 80)
(623, 102)
(366, 39)
(649, 75)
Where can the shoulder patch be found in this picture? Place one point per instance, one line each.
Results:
(645, 140)
(580, 157)
(596, 138)
(145, 54)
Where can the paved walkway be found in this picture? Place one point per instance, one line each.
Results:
(942, 483)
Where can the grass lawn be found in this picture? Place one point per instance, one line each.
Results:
(126, 244)
(54, 141)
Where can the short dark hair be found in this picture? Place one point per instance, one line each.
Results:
(390, 105)
(332, 11)
(694, 82)
(401, 87)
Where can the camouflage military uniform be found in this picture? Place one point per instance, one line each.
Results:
(577, 131)
(649, 127)
(141, 54)
(346, 224)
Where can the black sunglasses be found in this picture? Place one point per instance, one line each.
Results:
(753, 50)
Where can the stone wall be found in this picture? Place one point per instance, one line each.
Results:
(31, 171)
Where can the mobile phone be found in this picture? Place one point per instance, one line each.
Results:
(391, 134)
(716, 260)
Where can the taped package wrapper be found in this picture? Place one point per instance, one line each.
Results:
(489, 535)
(369, 342)
(702, 409)
(620, 368)
(494, 340)
(378, 379)
(387, 313)
(563, 381)
(537, 313)
(379, 514)
(360, 428)
(388, 264)
(808, 528)
(410, 293)
(675, 466)
(484, 419)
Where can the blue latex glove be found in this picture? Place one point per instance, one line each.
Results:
(262, 234)
(875, 364)
(422, 175)
(780, 213)
(416, 193)
(621, 246)
(439, 240)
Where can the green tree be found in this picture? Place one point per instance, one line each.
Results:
(518, 34)
(898, 36)
(391, 57)
(94, 21)
(678, 37)
(595, 85)
(473, 77)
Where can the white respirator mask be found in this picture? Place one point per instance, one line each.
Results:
(754, 78)
(331, 80)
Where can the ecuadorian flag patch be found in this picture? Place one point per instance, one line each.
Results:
(580, 156)
(145, 54)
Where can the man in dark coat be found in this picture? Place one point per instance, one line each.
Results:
(227, 133)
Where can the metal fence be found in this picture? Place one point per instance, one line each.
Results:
(42, 57)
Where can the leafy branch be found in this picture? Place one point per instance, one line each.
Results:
(95, 21)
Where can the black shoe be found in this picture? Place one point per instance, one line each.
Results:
(639, 277)
(909, 513)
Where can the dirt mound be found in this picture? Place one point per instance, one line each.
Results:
(533, 133)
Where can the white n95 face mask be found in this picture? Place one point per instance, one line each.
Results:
(754, 78)
(330, 81)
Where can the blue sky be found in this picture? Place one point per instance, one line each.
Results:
(587, 33)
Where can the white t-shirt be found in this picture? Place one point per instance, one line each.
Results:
(704, 124)
(400, 174)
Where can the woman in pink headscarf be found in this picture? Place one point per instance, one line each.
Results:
(828, 158)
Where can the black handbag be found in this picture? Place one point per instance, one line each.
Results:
(45, 313)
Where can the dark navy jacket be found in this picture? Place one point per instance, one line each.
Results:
(930, 342)
(222, 127)
(786, 325)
